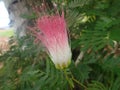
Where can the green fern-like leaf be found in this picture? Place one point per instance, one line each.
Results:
(95, 85)
(116, 85)
(88, 40)
(51, 78)
(111, 64)
(78, 3)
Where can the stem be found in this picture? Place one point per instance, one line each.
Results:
(69, 80)
(79, 58)
(79, 83)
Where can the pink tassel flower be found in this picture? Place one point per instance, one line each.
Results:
(53, 35)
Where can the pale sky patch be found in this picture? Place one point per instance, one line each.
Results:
(4, 17)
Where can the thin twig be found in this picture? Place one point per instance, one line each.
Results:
(79, 83)
(80, 56)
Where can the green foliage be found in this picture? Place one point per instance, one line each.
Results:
(23, 69)
(94, 30)
(26, 16)
(51, 74)
(89, 40)
(114, 34)
(96, 86)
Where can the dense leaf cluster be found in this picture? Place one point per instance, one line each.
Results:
(94, 28)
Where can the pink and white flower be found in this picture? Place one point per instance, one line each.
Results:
(53, 35)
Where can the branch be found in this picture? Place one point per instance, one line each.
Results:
(79, 58)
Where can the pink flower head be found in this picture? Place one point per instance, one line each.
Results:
(53, 35)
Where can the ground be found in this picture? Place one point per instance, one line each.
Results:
(4, 38)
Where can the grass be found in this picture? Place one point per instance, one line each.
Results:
(6, 33)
